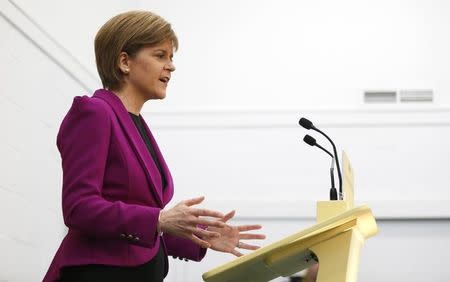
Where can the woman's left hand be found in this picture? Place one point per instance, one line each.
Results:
(231, 236)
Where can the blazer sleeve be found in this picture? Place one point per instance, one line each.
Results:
(83, 141)
(183, 248)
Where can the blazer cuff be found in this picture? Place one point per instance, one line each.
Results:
(141, 226)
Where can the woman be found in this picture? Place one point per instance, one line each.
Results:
(115, 180)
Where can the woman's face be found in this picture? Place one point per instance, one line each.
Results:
(149, 70)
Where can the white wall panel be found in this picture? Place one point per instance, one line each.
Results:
(71, 27)
(33, 98)
(258, 158)
(287, 54)
(401, 249)
(278, 53)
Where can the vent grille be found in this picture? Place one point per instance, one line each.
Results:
(404, 96)
(380, 96)
(407, 96)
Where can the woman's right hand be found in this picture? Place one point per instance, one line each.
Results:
(183, 220)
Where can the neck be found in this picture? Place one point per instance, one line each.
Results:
(131, 99)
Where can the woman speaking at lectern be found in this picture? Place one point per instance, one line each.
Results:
(116, 183)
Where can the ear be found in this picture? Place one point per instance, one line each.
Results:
(124, 62)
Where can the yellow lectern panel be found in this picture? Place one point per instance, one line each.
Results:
(292, 254)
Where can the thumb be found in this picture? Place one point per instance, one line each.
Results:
(194, 201)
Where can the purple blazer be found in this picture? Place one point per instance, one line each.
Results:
(112, 190)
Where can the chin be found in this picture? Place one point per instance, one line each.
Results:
(161, 96)
(157, 96)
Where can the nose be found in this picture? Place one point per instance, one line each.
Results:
(170, 67)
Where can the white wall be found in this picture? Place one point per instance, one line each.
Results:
(291, 54)
(246, 71)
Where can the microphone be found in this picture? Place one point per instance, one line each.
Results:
(306, 123)
(312, 142)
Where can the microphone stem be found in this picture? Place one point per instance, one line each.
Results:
(336, 158)
(325, 150)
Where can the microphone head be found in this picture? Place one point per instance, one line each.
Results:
(309, 140)
(306, 123)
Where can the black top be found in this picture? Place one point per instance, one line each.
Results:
(140, 126)
(151, 271)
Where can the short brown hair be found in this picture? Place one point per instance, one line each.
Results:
(127, 32)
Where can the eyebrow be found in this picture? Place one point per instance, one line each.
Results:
(164, 51)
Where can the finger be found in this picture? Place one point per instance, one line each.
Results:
(199, 242)
(205, 233)
(205, 212)
(248, 246)
(236, 253)
(249, 227)
(207, 222)
(252, 236)
(193, 201)
(229, 216)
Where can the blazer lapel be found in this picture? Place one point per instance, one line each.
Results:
(162, 162)
(136, 141)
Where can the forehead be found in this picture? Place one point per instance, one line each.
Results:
(166, 46)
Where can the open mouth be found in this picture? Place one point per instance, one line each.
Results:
(164, 79)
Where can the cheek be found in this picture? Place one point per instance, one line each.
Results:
(150, 72)
(146, 73)
(143, 74)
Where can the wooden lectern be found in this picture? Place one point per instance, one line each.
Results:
(335, 242)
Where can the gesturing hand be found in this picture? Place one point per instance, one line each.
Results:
(231, 236)
(182, 220)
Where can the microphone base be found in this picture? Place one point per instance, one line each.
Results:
(333, 194)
